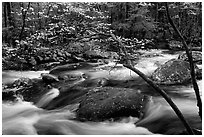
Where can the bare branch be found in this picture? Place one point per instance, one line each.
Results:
(153, 85)
(190, 59)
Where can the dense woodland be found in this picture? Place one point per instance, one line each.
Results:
(81, 27)
(56, 36)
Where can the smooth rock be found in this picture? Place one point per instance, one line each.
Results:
(49, 78)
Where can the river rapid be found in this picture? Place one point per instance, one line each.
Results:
(28, 119)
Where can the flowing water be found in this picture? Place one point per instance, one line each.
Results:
(26, 118)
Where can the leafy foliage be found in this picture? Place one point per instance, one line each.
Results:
(74, 26)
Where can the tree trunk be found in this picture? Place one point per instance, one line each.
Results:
(126, 10)
(156, 11)
(5, 14)
(152, 84)
(39, 21)
(5, 38)
(23, 20)
(9, 13)
(189, 55)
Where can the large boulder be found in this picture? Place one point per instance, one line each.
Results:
(174, 71)
(197, 57)
(103, 103)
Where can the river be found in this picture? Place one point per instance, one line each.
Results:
(29, 119)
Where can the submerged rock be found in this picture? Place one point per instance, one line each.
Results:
(173, 72)
(107, 102)
(9, 95)
(34, 92)
(97, 82)
(22, 82)
(30, 90)
(69, 67)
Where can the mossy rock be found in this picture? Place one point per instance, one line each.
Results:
(174, 71)
(103, 103)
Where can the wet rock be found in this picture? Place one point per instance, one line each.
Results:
(197, 57)
(21, 82)
(98, 82)
(94, 54)
(107, 102)
(68, 67)
(34, 92)
(49, 78)
(174, 71)
(70, 77)
(30, 90)
(8, 95)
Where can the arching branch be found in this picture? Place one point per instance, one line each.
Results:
(130, 66)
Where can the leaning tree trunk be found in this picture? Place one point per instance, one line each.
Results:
(190, 59)
(123, 53)
(130, 66)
